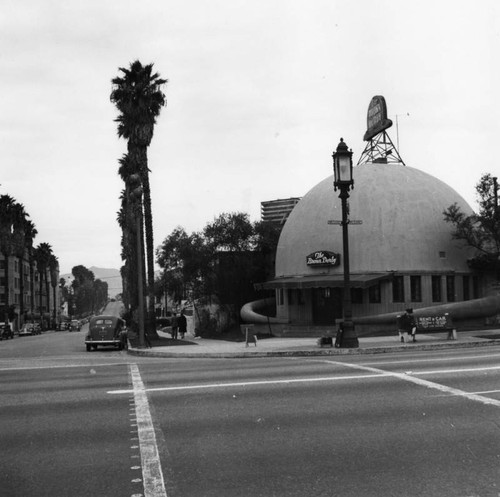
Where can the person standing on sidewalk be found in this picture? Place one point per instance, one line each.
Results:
(174, 323)
(407, 325)
(182, 322)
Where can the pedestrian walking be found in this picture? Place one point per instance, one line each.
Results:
(182, 324)
(174, 323)
(407, 325)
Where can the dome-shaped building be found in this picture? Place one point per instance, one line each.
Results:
(401, 249)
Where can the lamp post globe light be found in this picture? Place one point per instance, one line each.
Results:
(343, 181)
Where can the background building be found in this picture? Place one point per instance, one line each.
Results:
(401, 253)
(277, 211)
(29, 301)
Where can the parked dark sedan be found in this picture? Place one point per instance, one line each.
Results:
(6, 332)
(106, 330)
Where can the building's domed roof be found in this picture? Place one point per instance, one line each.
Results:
(401, 209)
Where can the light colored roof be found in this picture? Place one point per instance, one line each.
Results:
(403, 229)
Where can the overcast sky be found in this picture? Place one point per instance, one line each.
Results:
(259, 93)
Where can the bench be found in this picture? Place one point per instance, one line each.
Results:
(433, 324)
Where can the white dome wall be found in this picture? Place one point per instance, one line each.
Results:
(403, 227)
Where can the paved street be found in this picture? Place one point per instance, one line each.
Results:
(422, 422)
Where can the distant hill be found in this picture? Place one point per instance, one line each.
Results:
(111, 276)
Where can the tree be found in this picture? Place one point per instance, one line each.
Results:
(54, 276)
(139, 99)
(230, 232)
(88, 294)
(187, 264)
(42, 255)
(480, 231)
(225, 260)
(129, 219)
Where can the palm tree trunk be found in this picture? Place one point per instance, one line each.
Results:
(148, 226)
(40, 289)
(139, 154)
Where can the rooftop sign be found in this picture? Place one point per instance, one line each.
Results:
(377, 118)
(323, 258)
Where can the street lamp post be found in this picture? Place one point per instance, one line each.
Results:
(343, 180)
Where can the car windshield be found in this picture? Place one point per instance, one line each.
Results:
(104, 321)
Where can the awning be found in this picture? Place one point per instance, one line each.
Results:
(324, 281)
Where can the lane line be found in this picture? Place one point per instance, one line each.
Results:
(376, 373)
(457, 370)
(152, 475)
(434, 359)
(424, 383)
(253, 383)
(59, 366)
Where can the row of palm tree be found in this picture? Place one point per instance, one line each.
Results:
(138, 96)
(17, 234)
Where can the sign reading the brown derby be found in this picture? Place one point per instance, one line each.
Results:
(377, 117)
(323, 258)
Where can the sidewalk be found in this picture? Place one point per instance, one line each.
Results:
(282, 347)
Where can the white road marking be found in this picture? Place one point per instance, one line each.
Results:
(152, 475)
(377, 373)
(252, 383)
(459, 370)
(59, 366)
(425, 383)
(431, 359)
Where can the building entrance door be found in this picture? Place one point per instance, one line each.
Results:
(327, 305)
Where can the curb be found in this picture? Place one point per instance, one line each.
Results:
(310, 353)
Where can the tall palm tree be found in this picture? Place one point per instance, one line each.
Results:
(139, 99)
(42, 257)
(30, 233)
(54, 281)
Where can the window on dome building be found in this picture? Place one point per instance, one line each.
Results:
(450, 288)
(436, 288)
(466, 287)
(374, 294)
(290, 296)
(416, 288)
(357, 295)
(280, 296)
(300, 297)
(398, 289)
(475, 287)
